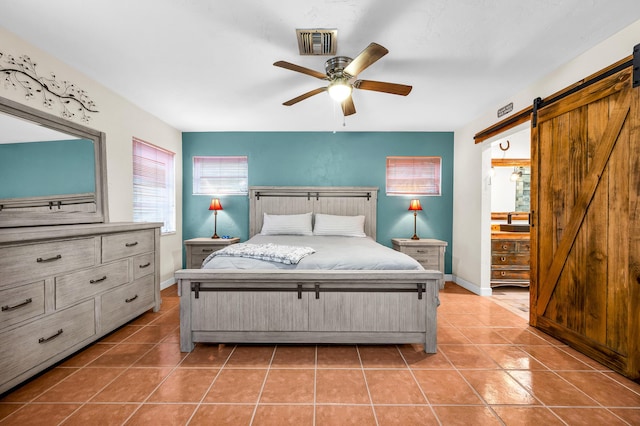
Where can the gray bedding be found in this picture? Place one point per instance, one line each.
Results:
(341, 253)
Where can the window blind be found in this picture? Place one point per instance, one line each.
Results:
(153, 185)
(413, 175)
(226, 175)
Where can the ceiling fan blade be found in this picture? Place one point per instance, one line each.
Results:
(304, 96)
(368, 56)
(298, 68)
(381, 86)
(348, 108)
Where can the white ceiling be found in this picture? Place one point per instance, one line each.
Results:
(206, 65)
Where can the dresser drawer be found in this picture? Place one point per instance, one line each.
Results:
(143, 265)
(510, 259)
(504, 246)
(72, 288)
(33, 343)
(126, 302)
(21, 303)
(34, 262)
(510, 274)
(118, 246)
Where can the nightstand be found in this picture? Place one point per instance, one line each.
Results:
(199, 248)
(428, 252)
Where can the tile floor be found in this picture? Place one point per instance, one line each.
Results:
(490, 369)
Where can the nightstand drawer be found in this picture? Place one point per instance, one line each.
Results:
(197, 249)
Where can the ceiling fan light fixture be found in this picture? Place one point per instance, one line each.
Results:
(339, 89)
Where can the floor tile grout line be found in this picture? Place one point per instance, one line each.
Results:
(110, 382)
(366, 384)
(141, 403)
(206, 392)
(418, 384)
(315, 383)
(264, 383)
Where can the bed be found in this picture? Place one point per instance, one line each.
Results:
(247, 299)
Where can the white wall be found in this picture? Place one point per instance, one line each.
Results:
(471, 240)
(120, 120)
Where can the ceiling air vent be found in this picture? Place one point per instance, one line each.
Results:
(317, 42)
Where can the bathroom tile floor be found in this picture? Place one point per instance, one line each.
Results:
(491, 368)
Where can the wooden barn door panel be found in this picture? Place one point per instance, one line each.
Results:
(585, 245)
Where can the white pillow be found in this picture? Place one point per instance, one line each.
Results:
(345, 226)
(286, 224)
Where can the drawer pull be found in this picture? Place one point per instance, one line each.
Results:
(133, 244)
(421, 251)
(47, 339)
(206, 250)
(504, 247)
(99, 280)
(502, 259)
(50, 259)
(132, 299)
(19, 305)
(146, 265)
(503, 273)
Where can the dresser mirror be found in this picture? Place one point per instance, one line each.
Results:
(52, 171)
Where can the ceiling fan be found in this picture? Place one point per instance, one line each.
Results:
(341, 72)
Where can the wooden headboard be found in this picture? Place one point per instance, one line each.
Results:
(345, 201)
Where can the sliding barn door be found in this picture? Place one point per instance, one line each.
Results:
(586, 237)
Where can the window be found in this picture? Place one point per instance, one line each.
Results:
(413, 175)
(153, 185)
(220, 176)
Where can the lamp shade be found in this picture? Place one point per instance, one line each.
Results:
(415, 205)
(215, 204)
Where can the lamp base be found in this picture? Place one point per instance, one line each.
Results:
(215, 236)
(415, 237)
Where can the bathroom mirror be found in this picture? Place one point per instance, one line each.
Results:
(510, 188)
(52, 171)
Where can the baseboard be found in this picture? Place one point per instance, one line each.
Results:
(472, 287)
(167, 283)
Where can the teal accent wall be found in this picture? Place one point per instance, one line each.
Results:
(36, 169)
(321, 159)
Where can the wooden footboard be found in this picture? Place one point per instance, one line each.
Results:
(266, 306)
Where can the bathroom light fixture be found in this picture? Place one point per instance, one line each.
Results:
(415, 206)
(339, 89)
(215, 206)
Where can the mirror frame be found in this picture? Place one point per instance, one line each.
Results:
(34, 218)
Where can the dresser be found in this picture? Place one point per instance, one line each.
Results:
(510, 254)
(197, 249)
(63, 287)
(428, 252)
